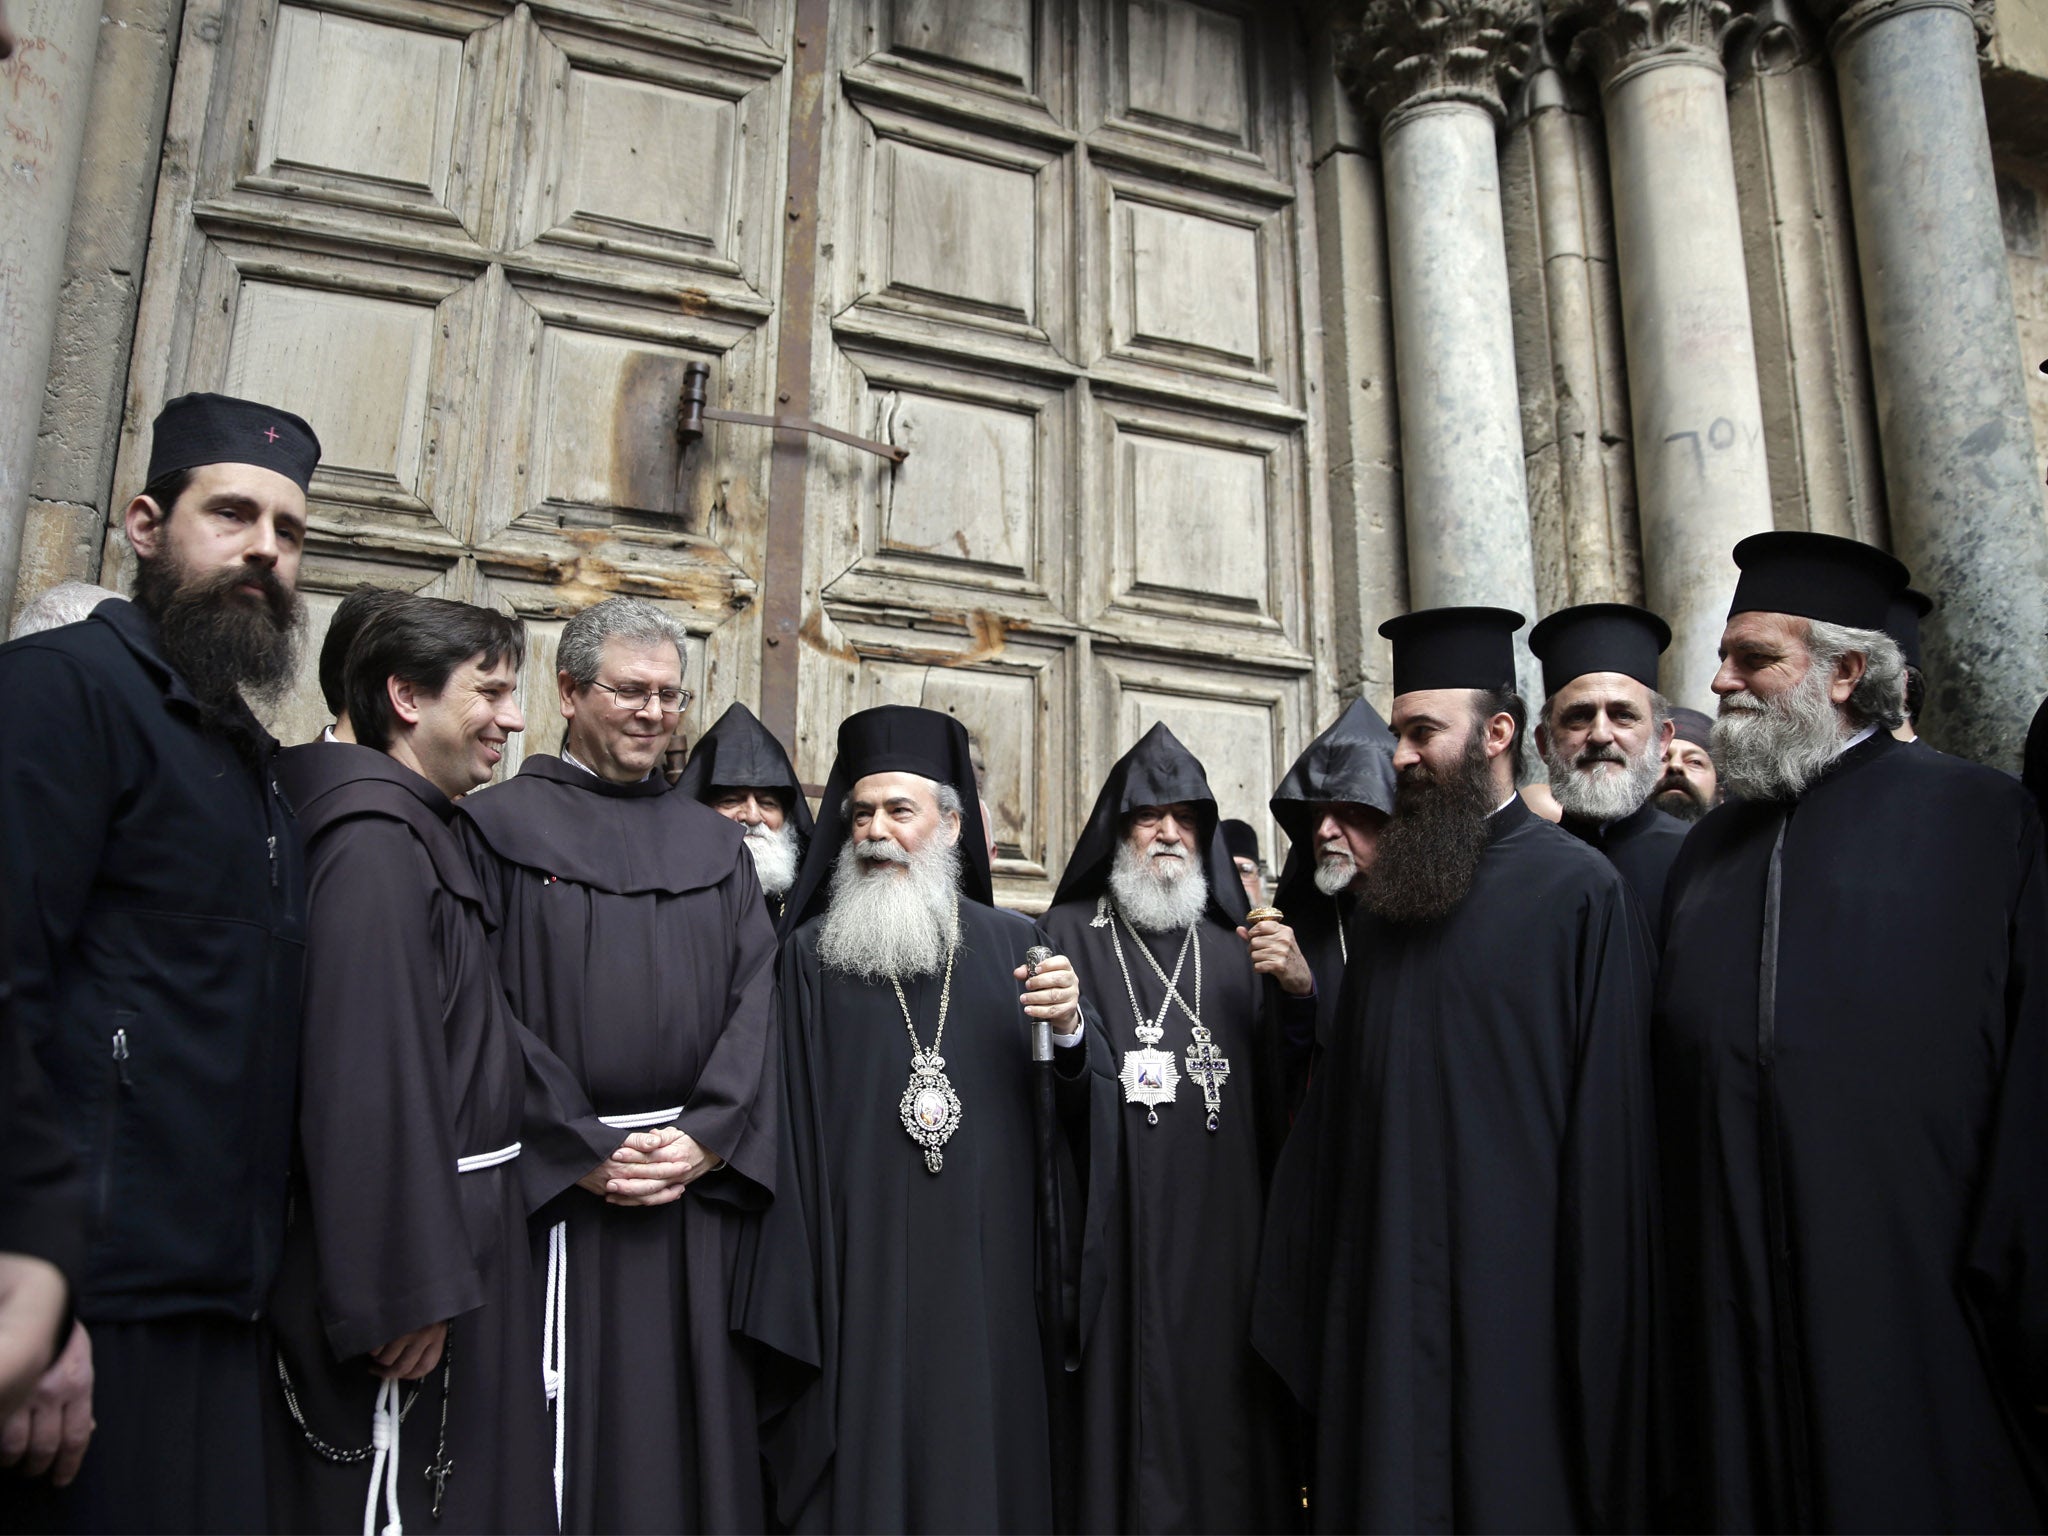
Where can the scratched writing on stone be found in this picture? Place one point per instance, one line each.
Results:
(1718, 438)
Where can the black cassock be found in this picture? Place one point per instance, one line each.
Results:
(411, 1062)
(1179, 1425)
(1456, 1277)
(916, 1292)
(631, 936)
(1856, 1186)
(1643, 845)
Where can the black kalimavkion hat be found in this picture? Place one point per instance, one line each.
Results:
(1453, 648)
(193, 430)
(1599, 637)
(1816, 576)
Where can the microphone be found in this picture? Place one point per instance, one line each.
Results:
(1041, 1029)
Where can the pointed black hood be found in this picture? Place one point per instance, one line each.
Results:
(1351, 762)
(739, 753)
(1157, 771)
(894, 738)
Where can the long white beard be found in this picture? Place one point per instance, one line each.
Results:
(774, 851)
(1603, 796)
(1335, 870)
(1156, 893)
(1773, 749)
(879, 924)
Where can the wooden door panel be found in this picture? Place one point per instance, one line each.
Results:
(475, 243)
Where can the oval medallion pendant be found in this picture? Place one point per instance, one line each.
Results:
(930, 1109)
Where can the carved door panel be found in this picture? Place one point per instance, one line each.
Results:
(475, 244)
(1064, 256)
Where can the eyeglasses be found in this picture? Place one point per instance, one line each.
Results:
(634, 696)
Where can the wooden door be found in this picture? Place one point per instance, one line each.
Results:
(475, 244)
(1065, 255)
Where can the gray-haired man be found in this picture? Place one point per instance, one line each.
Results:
(632, 938)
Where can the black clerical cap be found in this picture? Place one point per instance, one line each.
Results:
(1902, 621)
(1453, 648)
(1240, 839)
(1599, 637)
(1693, 726)
(1816, 576)
(896, 738)
(218, 429)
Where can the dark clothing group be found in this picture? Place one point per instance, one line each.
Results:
(1685, 1180)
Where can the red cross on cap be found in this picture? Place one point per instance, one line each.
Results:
(271, 433)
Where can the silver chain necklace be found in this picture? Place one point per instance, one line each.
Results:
(930, 1109)
(1149, 1074)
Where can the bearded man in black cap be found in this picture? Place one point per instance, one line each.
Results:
(1179, 1423)
(1852, 1069)
(154, 940)
(1602, 735)
(1333, 803)
(740, 771)
(629, 930)
(1456, 1273)
(901, 1254)
(1690, 785)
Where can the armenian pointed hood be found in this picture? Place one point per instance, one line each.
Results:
(1157, 771)
(894, 738)
(1351, 762)
(739, 752)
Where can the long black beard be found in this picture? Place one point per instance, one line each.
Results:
(1675, 796)
(1429, 851)
(232, 653)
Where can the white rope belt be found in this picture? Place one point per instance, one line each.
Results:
(384, 1418)
(476, 1162)
(384, 1425)
(554, 1345)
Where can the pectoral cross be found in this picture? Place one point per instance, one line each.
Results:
(439, 1470)
(1208, 1067)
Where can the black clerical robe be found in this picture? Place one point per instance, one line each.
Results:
(629, 930)
(413, 1069)
(1642, 845)
(1856, 1181)
(1456, 1276)
(1180, 1425)
(915, 1292)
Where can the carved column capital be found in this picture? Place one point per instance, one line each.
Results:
(1839, 18)
(1612, 37)
(1397, 55)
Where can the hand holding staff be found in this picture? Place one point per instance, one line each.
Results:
(1275, 952)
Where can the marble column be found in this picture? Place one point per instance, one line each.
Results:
(1702, 480)
(1965, 503)
(44, 92)
(1429, 73)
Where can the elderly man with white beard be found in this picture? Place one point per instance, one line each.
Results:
(1181, 1426)
(740, 771)
(1851, 1050)
(901, 1257)
(1602, 734)
(1332, 805)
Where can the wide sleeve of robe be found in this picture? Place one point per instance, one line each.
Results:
(375, 1130)
(733, 1108)
(2008, 1259)
(1607, 1243)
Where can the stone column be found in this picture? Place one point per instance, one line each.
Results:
(44, 92)
(1701, 478)
(1966, 507)
(1429, 72)
(1575, 428)
(1812, 363)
